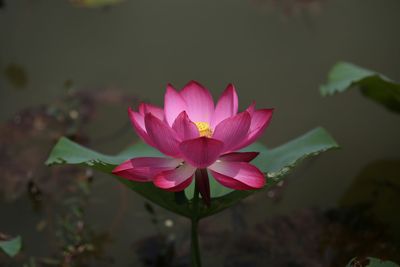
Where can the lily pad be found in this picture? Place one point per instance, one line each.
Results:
(344, 76)
(278, 162)
(275, 163)
(11, 247)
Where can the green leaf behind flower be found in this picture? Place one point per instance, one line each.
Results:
(373, 85)
(275, 163)
(11, 247)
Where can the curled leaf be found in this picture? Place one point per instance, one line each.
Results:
(344, 76)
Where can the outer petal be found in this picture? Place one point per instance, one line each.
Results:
(175, 180)
(239, 156)
(227, 106)
(251, 108)
(259, 122)
(174, 104)
(238, 175)
(145, 169)
(233, 131)
(200, 104)
(201, 152)
(184, 127)
(137, 121)
(148, 108)
(162, 136)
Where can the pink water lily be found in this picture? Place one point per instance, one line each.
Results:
(195, 136)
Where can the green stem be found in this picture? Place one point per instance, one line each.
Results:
(195, 249)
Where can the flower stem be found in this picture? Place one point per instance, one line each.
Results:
(195, 249)
(196, 260)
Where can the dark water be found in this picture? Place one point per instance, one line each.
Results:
(273, 56)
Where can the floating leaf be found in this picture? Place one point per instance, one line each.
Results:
(11, 247)
(278, 162)
(69, 152)
(370, 262)
(376, 86)
(275, 163)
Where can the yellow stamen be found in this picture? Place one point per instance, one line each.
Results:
(204, 128)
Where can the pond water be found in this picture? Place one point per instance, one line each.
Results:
(275, 52)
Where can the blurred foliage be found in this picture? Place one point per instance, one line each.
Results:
(60, 195)
(275, 163)
(376, 191)
(344, 76)
(27, 137)
(10, 246)
(309, 237)
(79, 243)
(370, 262)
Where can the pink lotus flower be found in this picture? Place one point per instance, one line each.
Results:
(196, 137)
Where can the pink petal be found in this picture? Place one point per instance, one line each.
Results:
(238, 175)
(233, 130)
(174, 104)
(201, 152)
(145, 169)
(239, 156)
(148, 108)
(259, 122)
(203, 184)
(251, 108)
(200, 104)
(184, 127)
(137, 121)
(162, 136)
(175, 180)
(227, 106)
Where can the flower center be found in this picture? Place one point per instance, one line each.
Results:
(204, 128)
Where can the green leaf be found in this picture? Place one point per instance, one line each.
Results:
(276, 163)
(370, 262)
(11, 247)
(376, 86)
(69, 152)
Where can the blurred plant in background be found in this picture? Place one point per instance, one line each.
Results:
(375, 193)
(26, 139)
(59, 195)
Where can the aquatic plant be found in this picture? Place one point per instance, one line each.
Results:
(190, 137)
